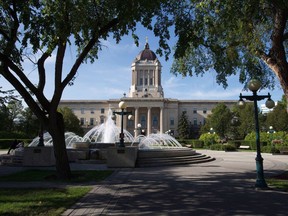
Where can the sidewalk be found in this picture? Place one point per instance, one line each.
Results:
(222, 187)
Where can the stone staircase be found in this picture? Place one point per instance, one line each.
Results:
(170, 157)
(11, 160)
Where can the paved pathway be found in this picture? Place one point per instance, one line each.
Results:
(222, 187)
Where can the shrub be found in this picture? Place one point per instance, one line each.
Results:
(5, 143)
(209, 139)
(235, 143)
(217, 147)
(270, 149)
(229, 147)
(197, 144)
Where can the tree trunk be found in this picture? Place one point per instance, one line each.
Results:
(56, 130)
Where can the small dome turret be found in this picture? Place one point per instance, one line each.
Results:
(146, 54)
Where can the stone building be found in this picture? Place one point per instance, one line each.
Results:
(146, 101)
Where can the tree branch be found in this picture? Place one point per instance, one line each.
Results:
(87, 49)
(22, 90)
(41, 71)
(9, 64)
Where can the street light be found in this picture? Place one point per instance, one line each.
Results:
(270, 132)
(211, 131)
(139, 126)
(254, 85)
(122, 105)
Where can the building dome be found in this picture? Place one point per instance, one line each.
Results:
(146, 54)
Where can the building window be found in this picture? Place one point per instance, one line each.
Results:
(141, 81)
(171, 121)
(151, 81)
(130, 123)
(146, 81)
(92, 120)
(194, 111)
(82, 121)
(204, 111)
(102, 119)
(195, 121)
(155, 121)
(82, 110)
(143, 121)
(102, 110)
(92, 111)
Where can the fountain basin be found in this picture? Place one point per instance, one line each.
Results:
(124, 157)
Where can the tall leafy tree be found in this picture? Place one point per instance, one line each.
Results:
(183, 126)
(29, 123)
(71, 122)
(220, 119)
(36, 30)
(14, 108)
(278, 118)
(245, 119)
(248, 38)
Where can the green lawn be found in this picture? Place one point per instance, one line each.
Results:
(47, 201)
(279, 182)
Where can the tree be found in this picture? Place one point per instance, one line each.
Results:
(71, 122)
(246, 37)
(183, 126)
(220, 120)
(37, 30)
(278, 118)
(29, 123)
(14, 108)
(245, 118)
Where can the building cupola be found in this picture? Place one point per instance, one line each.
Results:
(146, 75)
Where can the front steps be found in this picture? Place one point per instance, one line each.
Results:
(168, 157)
(11, 160)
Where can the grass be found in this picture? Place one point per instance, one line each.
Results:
(30, 202)
(45, 201)
(50, 175)
(279, 182)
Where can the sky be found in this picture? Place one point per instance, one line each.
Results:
(109, 77)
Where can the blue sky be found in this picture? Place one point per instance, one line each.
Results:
(110, 76)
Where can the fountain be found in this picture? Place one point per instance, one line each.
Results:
(70, 138)
(107, 132)
(158, 141)
(98, 143)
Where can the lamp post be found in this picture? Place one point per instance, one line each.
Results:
(211, 131)
(122, 105)
(270, 132)
(138, 129)
(254, 86)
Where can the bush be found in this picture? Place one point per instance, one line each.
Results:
(217, 147)
(5, 143)
(209, 139)
(229, 147)
(197, 144)
(235, 143)
(223, 147)
(270, 149)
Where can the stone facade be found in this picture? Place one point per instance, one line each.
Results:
(146, 102)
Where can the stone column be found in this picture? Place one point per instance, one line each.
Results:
(136, 121)
(161, 119)
(149, 121)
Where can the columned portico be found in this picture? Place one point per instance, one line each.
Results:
(136, 122)
(149, 121)
(161, 119)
